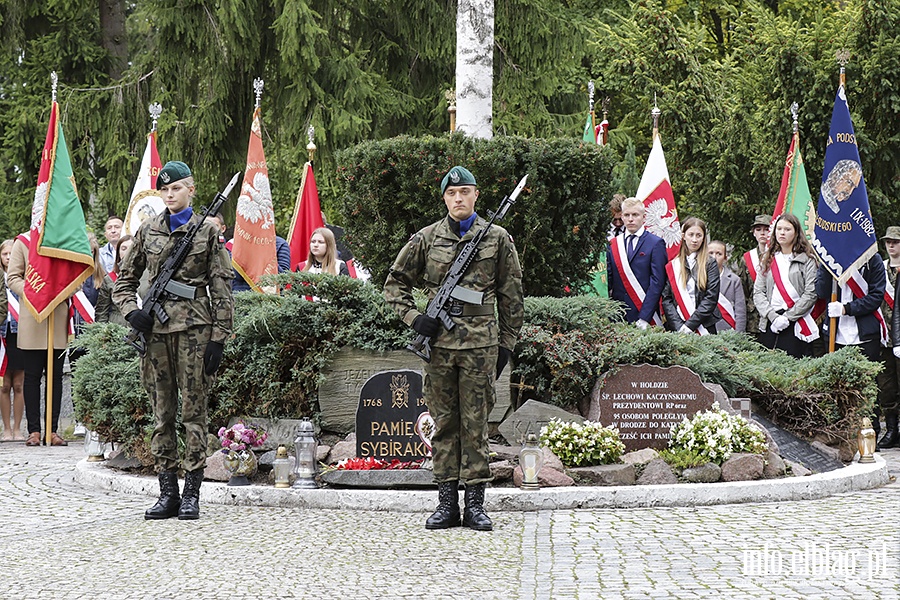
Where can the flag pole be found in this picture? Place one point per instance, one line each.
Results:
(591, 106)
(842, 56)
(49, 387)
(450, 95)
(311, 146)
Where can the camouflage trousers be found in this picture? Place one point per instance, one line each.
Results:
(173, 362)
(459, 393)
(888, 383)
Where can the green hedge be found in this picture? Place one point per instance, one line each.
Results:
(391, 188)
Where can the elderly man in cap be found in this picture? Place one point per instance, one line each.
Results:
(748, 266)
(889, 378)
(466, 360)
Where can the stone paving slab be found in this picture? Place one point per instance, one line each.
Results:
(62, 539)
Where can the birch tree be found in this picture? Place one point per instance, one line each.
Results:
(475, 67)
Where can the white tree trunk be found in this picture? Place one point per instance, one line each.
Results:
(475, 67)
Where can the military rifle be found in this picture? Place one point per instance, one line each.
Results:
(450, 289)
(164, 287)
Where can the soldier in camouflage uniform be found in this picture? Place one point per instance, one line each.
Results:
(465, 361)
(760, 230)
(183, 353)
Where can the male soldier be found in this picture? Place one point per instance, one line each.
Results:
(636, 265)
(749, 267)
(466, 360)
(182, 354)
(889, 378)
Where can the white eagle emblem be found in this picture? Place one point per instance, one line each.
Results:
(255, 202)
(659, 221)
(37, 209)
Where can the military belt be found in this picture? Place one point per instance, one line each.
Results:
(463, 309)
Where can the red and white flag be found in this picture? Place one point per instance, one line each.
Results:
(145, 199)
(253, 253)
(655, 192)
(307, 217)
(602, 132)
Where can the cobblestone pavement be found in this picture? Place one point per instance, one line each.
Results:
(59, 539)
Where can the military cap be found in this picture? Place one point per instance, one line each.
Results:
(892, 233)
(175, 170)
(758, 220)
(457, 176)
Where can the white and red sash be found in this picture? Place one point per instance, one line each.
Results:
(726, 307)
(79, 302)
(632, 286)
(113, 276)
(684, 302)
(889, 287)
(13, 305)
(2, 356)
(751, 259)
(805, 328)
(860, 288)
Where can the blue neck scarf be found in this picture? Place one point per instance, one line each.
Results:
(180, 218)
(466, 224)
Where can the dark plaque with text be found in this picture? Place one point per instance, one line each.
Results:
(389, 405)
(645, 401)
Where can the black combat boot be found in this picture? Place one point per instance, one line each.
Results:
(891, 438)
(474, 516)
(190, 497)
(169, 500)
(446, 515)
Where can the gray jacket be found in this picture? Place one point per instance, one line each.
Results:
(802, 275)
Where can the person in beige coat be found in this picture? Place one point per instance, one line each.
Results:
(33, 343)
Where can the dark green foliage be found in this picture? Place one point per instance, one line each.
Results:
(391, 189)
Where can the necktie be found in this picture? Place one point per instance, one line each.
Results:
(631, 246)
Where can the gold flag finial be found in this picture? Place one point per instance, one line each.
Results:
(655, 114)
(843, 57)
(591, 101)
(258, 88)
(795, 113)
(450, 95)
(311, 146)
(54, 79)
(155, 110)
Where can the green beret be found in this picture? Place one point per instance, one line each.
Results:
(175, 170)
(457, 176)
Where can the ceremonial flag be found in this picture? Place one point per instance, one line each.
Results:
(655, 192)
(59, 253)
(794, 196)
(145, 199)
(589, 135)
(253, 254)
(844, 232)
(307, 217)
(602, 131)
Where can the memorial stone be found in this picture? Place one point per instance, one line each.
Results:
(389, 405)
(644, 401)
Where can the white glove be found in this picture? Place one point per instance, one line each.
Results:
(641, 324)
(835, 310)
(780, 324)
(685, 329)
(897, 351)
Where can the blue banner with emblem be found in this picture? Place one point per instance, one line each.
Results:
(844, 234)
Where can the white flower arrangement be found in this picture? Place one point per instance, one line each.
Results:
(579, 445)
(716, 435)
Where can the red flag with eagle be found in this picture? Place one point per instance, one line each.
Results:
(59, 253)
(655, 192)
(253, 253)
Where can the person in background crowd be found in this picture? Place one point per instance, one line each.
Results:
(889, 378)
(616, 224)
(732, 303)
(184, 353)
(467, 359)
(107, 311)
(322, 256)
(636, 267)
(691, 296)
(11, 394)
(785, 290)
(112, 231)
(32, 341)
(748, 267)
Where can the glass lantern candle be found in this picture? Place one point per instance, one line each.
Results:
(531, 459)
(94, 447)
(281, 467)
(305, 447)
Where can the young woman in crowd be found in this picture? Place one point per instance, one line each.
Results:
(691, 295)
(732, 302)
(12, 399)
(785, 290)
(322, 256)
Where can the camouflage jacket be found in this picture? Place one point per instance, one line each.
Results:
(207, 267)
(424, 262)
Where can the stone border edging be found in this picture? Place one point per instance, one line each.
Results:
(851, 478)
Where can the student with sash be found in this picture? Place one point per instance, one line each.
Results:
(637, 267)
(691, 296)
(889, 378)
(107, 311)
(748, 266)
(785, 290)
(732, 302)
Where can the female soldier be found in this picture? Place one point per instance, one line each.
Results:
(691, 296)
(184, 352)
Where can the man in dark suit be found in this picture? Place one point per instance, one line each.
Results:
(637, 267)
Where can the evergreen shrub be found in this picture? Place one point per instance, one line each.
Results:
(391, 188)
